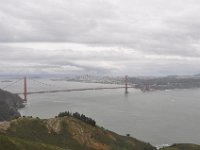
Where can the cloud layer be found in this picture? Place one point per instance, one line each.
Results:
(135, 37)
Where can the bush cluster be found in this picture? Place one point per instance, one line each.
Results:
(78, 116)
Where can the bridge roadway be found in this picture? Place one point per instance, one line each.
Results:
(72, 90)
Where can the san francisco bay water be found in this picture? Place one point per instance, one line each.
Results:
(158, 117)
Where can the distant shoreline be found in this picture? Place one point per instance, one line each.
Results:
(144, 87)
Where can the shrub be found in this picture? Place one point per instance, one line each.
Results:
(76, 115)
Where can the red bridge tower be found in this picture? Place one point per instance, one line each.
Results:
(126, 84)
(25, 90)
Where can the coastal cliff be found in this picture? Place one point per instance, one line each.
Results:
(9, 105)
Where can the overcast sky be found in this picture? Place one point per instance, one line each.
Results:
(100, 37)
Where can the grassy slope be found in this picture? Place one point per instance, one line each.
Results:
(64, 133)
(69, 134)
(11, 143)
(182, 147)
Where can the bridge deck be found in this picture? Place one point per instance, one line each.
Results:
(71, 90)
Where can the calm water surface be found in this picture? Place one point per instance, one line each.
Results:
(160, 117)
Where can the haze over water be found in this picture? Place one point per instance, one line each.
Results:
(159, 117)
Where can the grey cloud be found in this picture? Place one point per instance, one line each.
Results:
(20, 58)
(92, 22)
(148, 27)
(117, 62)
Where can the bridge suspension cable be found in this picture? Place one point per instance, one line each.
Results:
(44, 84)
(62, 89)
(13, 83)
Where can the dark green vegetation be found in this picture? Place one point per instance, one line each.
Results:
(11, 143)
(9, 103)
(78, 116)
(63, 133)
(182, 147)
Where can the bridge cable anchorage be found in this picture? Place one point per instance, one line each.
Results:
(13, 83)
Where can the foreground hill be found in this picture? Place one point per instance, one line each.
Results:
(9, 103)
(182, 147)
(66, 133)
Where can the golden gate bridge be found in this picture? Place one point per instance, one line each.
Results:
(26, 92)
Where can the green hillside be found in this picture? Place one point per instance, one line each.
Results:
(11, 143)
(182, 147)
(62, 133)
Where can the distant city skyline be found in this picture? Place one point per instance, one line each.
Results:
(100, 37)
